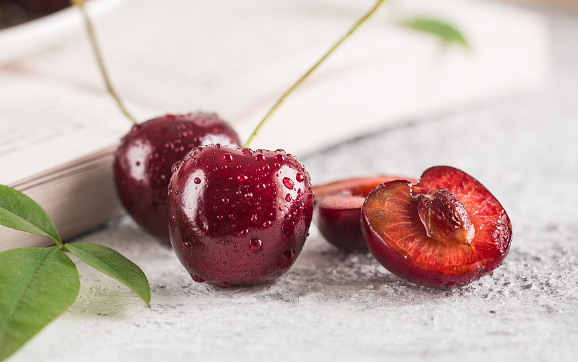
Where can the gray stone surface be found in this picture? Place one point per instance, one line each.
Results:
(339, 307)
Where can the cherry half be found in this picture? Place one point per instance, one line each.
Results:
(143, 161)
(446, 231)
(337, 211)
(239, 217)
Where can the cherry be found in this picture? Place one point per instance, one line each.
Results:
(143, 161)
(239, 217)
(338, 210)
(446, 231)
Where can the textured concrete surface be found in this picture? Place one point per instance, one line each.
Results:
(339, 307)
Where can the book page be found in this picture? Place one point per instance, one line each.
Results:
(46, 124)
(235, 58)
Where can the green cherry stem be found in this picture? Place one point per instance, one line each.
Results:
(96, 49)
(298, 83)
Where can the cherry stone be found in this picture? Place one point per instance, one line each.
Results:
(143, 161)
(238, 216)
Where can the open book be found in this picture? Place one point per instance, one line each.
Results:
(58, 127)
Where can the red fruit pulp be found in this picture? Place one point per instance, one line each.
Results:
(237, 216)
(448, 230)
(143, 161)
(338, 210)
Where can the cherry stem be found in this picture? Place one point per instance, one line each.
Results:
(298, 83)
(99, 60)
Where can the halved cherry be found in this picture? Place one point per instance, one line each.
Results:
(338, 210)
(448, 230)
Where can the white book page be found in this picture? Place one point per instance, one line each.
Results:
(45, 124)
(235, 58)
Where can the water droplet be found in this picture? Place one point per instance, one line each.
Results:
(299, 177)
(227, 157)
(279, 158)
(242, 178)
(259, 157)
(197, 278)
(288, 197)
(197, 180)
(247, 151)
(176, 166)
(254, 217)
(187, 244)
(232, 216)
(266, 168)
(288, 183)
(256, 245)
(244, 232)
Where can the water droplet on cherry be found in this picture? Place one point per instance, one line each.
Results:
(256, 245)
(197, 278)
(227, 157)
(288, 183)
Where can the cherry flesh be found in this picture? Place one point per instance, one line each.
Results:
(338, 210)
(446, 231)
(143, 161)
(238, 216)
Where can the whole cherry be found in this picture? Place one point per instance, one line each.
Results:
(446, 231)
(143, 161)
(145, 156)
(239, 217)
(337, 211)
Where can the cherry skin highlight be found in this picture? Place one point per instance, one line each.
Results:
(446, 231)
(238, 216)
(143, 161)
(338, 210)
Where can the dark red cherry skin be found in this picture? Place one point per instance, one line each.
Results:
(338, 210)
(237, 216)
(143, 161)
(446, 231)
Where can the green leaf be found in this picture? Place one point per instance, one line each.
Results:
(36, 286)
(113, 264)
(439, 28)
(18, 211)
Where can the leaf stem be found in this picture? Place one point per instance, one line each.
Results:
(298, 83)
(96, 49)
